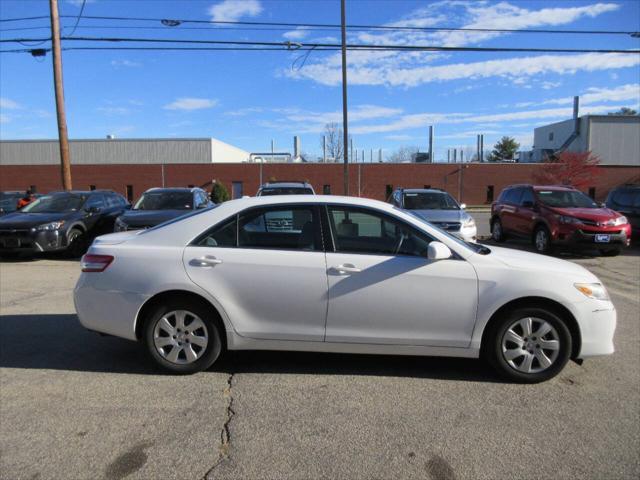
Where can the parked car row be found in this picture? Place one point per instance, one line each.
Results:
(551, 216)
(69, 221)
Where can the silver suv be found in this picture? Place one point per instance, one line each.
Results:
(285, 188)
(438, 208)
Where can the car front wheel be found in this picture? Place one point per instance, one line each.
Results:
(529, 345)
(542, 240)
(181, 337)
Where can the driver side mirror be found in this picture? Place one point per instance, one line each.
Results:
(438, 251)
(527, 204)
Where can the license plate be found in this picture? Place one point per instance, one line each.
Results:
(603, 238)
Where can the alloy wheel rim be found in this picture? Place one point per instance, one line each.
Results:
(530, 345)
(541, 240)
(180, 337)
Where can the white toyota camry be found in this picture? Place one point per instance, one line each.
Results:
(338, 274)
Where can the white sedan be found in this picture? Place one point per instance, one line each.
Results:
(341, 274)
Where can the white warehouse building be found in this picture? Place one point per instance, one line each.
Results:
(615, 139)
(122, 151)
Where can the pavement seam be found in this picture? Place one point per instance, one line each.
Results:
(225, 434)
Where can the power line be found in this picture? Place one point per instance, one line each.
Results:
(298, 45)
(84, 2)
(369, 27)
(19, 19)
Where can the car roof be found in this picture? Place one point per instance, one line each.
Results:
(286, 185)
(562, 188)
(422, 190)
(247, 202)
(173, 189)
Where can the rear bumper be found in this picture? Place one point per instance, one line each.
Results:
(106, 311)
(32, 241)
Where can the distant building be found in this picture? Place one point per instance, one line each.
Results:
(613, 138)
(122, 151)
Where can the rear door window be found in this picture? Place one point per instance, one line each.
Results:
(527, 196)
(280, 227)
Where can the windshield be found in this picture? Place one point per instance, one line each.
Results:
(63, 202)
(285, 191)
(165, 201)
(429, 201)
(565, 199)
(9, 202)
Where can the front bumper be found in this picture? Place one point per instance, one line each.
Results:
(618, 237)
(32, 241)
(597, 324)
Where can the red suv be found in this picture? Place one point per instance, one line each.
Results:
(554, 215)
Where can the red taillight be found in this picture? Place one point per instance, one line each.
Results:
(95, 263)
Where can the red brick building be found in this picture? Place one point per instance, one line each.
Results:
(471, 183)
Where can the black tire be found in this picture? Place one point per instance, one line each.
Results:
(611, 252)
(76, 243)
(497, 233)
(542, 246)
(199, 310)
(493, 347)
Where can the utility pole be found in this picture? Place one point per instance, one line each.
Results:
(324, 149)
(345, 121)
(63, 138)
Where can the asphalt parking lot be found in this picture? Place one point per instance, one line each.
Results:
(74, 405)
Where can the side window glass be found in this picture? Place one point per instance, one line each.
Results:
(513, 196)
(360, 231)
(527, 196)
(291, 228)
(95, 201)
(220, 236)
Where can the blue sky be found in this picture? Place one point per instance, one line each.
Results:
(249, 98)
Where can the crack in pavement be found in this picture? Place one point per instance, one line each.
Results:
(225, 434)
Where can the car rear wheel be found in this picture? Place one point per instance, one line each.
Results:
(611, 252)
(497, 233)
(529, 345)
(542, 240)
(182, 338)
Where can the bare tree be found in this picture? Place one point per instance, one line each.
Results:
(333, 132)
(403, 155)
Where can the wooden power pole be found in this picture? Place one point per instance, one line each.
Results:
(65, 157)
(344, 98)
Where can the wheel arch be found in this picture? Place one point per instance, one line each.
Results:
(536, 302)
(168, 295)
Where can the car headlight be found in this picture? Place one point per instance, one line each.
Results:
(568, 220)
(468, 223)
(620, 221)
(593, 290)
(50, 226)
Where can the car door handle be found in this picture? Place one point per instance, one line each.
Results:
(345, 268)
(206, 261)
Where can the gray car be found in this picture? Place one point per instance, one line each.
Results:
(438, 208)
